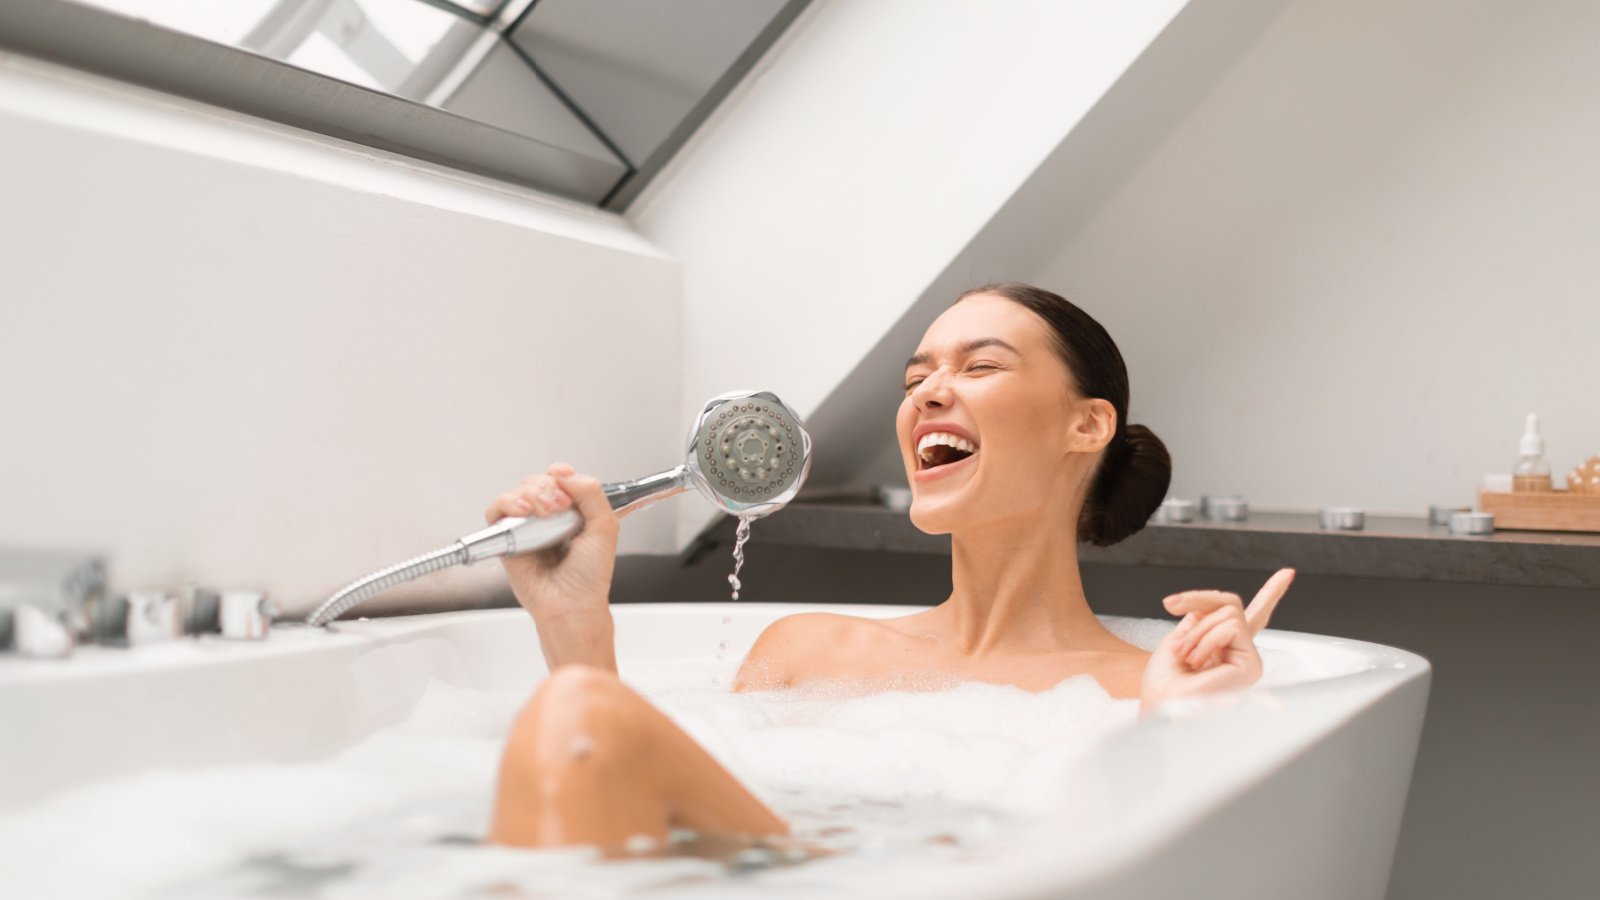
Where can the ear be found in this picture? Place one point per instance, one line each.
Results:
(1093, 427)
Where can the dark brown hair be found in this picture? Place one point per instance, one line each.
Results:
(1135, 469)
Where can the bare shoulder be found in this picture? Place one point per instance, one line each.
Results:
(1122, 673)
(779, 653)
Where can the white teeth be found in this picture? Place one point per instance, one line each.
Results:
(946, 438)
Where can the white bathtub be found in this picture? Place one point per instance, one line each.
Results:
(1291, 790)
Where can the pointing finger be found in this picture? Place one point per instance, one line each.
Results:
(1266, 599)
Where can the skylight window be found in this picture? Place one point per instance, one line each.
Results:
(583, 98)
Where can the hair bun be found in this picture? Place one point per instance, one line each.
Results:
(1127, 489)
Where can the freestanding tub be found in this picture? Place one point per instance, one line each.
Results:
(1288, 790)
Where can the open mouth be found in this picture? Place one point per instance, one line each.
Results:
(939, 448)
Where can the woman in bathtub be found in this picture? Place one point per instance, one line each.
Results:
(1015, 439)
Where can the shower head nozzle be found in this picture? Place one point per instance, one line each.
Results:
(748, 453)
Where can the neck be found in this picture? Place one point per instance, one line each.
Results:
(1017, 588)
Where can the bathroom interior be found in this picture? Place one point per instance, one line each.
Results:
(296, 287)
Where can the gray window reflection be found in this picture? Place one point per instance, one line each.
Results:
(479, 7)
(638, 68)
(380, 44)
(225, 23)
(599, 92)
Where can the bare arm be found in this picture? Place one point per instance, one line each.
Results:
(566, 590)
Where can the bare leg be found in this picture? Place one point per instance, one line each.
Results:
(589, 761)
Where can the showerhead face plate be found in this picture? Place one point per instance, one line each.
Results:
(749, 452)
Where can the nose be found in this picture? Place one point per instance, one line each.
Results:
(932, 392)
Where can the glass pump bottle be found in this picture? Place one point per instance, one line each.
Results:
(1532, 472)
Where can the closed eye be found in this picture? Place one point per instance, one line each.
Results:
(971, 368)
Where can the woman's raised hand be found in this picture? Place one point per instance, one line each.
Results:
(567, 589)
(1213, 648)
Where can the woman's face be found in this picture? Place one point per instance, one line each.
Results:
(987, 379)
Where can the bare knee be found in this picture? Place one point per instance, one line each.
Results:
(577, 717)
(571, 747)
(576, 769)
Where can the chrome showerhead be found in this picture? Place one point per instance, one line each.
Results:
(748, 453)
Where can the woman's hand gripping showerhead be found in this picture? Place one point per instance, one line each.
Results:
(1213, 648)
(567, 588)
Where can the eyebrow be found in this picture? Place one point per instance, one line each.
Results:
(968, 347)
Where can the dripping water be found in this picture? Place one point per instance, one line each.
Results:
(742, 535)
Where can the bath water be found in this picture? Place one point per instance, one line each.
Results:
(929, 777)
(873, 784)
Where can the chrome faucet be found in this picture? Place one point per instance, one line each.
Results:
(43, 594)
(52, 601)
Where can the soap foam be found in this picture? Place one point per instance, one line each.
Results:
(962, 746)
(891, 778)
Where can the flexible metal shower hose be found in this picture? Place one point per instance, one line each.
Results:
(383, 579)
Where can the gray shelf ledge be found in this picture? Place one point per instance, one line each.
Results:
(1400, 547)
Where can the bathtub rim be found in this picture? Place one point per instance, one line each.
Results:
(1382, 657)
(356, 635)
(1324, 706)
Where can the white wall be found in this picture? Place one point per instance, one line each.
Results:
(858, 159)
(242, 354)
(1356, 266)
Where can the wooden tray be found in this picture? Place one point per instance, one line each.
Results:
(1556, 510)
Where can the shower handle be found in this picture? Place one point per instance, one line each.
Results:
(515, 534)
